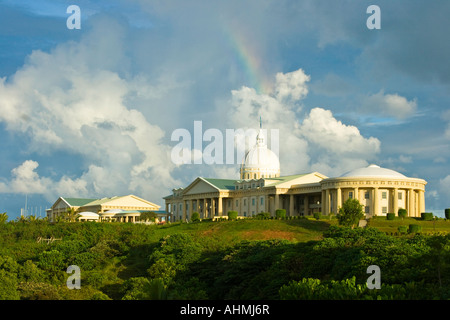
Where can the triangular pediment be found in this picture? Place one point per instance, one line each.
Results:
(60, 203)
(200, 185)
(129, 201)
(288, 181)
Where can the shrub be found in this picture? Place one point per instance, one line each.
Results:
(280, 213)
(232, 215)
(402, 229)
(195, 216)
(350, 213)
(52, 260)
(263, 215)
(316, 215)
(427, 216)
(390, 216)
(447, 213)
(414, 228)
(402, 213)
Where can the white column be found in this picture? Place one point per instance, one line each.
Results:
(291, 205)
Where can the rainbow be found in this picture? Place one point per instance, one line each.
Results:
(248, 60)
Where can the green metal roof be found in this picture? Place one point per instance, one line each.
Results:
(95, 202)
(78, 202)
(222, 184)
(284, 179)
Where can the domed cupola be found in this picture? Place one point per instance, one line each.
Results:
(260, 161)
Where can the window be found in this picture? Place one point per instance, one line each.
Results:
(366, 209)
(350, 194)
(253, 185)
(254, 176)
(367, 195)
(400, 196)
(262, 201)
(253, 201)
(237, 203)
(384, 195)
(245, 202)
(384, 210)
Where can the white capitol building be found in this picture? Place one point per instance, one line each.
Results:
(262, 189)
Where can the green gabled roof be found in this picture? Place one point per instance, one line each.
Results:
(222, 184)
(95, 202)
(284, 179)
(77, 202)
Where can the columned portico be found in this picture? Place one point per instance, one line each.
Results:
(379, 190)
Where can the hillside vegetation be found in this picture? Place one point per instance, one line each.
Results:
(244, 259)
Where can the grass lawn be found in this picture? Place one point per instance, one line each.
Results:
(390, 226)
(251, 229)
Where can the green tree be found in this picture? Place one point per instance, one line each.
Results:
(232, 215)
(147, 216)
(350, 213)
(195, 216)
(280, 213)
(70, 215)
(8, 285)
(402, 213)
(3, 217)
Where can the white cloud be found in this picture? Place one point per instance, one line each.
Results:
(70, 99)
(318, 143)
(392, 105)
(291, 85)
(26, 180)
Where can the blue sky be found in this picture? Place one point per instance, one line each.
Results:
(90, 112)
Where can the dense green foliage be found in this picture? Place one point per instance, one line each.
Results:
(402, 213)
(280, 213)
(195, 216)
(427, 216)
(195, 261)
(350, 213)
(447, 213)
(232, 215)
(390, 216)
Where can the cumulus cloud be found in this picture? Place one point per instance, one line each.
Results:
(317, 143)
(291, 85)
(26, 180)
(392, 105)
(73, 99)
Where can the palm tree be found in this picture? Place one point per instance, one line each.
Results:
(3, 217)
(71, 215)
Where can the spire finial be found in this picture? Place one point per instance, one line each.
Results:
(260, 122)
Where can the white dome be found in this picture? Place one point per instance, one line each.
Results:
(260, 160)
(87, 214)
(113, 211)
(373, 171)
